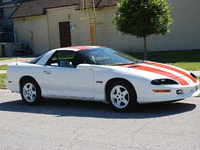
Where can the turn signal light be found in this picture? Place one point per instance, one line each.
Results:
(162, 91)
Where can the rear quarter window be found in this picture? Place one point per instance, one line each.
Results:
(34, 61)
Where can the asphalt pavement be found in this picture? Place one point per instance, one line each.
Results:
(78, 125)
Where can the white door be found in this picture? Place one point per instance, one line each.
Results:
(62, 79)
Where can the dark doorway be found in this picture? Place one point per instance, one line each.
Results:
(3, 50)
(65, 36)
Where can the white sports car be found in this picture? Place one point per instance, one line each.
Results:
(99, 74)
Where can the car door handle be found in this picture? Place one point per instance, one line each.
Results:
(47, 71)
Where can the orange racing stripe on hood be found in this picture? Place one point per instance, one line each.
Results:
(172, 69)
(157, 71)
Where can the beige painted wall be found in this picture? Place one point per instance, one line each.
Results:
(67, 14)
(185, 31)
(108, 36)
(184, 34)
(38, 26)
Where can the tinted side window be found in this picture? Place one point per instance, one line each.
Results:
(66, 59)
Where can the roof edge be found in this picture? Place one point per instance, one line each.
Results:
(28, 16)
(44, 11)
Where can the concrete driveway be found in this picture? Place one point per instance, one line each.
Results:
(16, 59)
(77, 125)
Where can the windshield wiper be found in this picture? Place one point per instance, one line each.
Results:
(122, 63)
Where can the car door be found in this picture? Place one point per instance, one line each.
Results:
(63, 80)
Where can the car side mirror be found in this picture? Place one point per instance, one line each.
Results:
(83, 66)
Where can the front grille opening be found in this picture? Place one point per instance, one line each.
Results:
(179, 92)
(133, 66)
(193, 76)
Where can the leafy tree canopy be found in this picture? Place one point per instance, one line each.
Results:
(142, 18)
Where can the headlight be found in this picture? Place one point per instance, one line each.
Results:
(163, 82)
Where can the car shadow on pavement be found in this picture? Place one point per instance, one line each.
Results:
(64, 108)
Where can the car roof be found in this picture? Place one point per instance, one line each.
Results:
(44, 59)
(78, 48)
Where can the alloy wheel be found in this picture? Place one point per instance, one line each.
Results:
(119, 96)
(29, 92)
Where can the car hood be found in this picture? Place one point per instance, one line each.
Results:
(181, 76)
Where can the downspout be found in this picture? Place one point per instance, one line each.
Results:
(48, 32)
(15, 34)
(1, 16)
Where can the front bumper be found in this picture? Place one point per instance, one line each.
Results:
(151, 97)
(11, 85)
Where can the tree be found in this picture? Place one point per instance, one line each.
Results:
(142, 18)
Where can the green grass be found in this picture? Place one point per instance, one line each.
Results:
(2, 84)
(5, 58)
(3, 67)
(199, 85)
(186, 59)
(190, 66)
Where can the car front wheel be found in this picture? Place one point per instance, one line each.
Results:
(121, 95)
(30, 92)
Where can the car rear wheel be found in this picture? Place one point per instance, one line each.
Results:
(121, 96)
(30, 92)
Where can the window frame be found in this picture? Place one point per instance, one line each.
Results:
(48, 63)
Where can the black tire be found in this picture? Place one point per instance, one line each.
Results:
(121, 96)
(31, 93)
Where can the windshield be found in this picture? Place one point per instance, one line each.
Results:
(34, 61)
(107, 56)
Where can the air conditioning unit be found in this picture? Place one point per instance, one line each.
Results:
(6, 49)
(19, 47)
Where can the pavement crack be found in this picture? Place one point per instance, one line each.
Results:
(7, 131)
(75, 139)
(139, 129)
